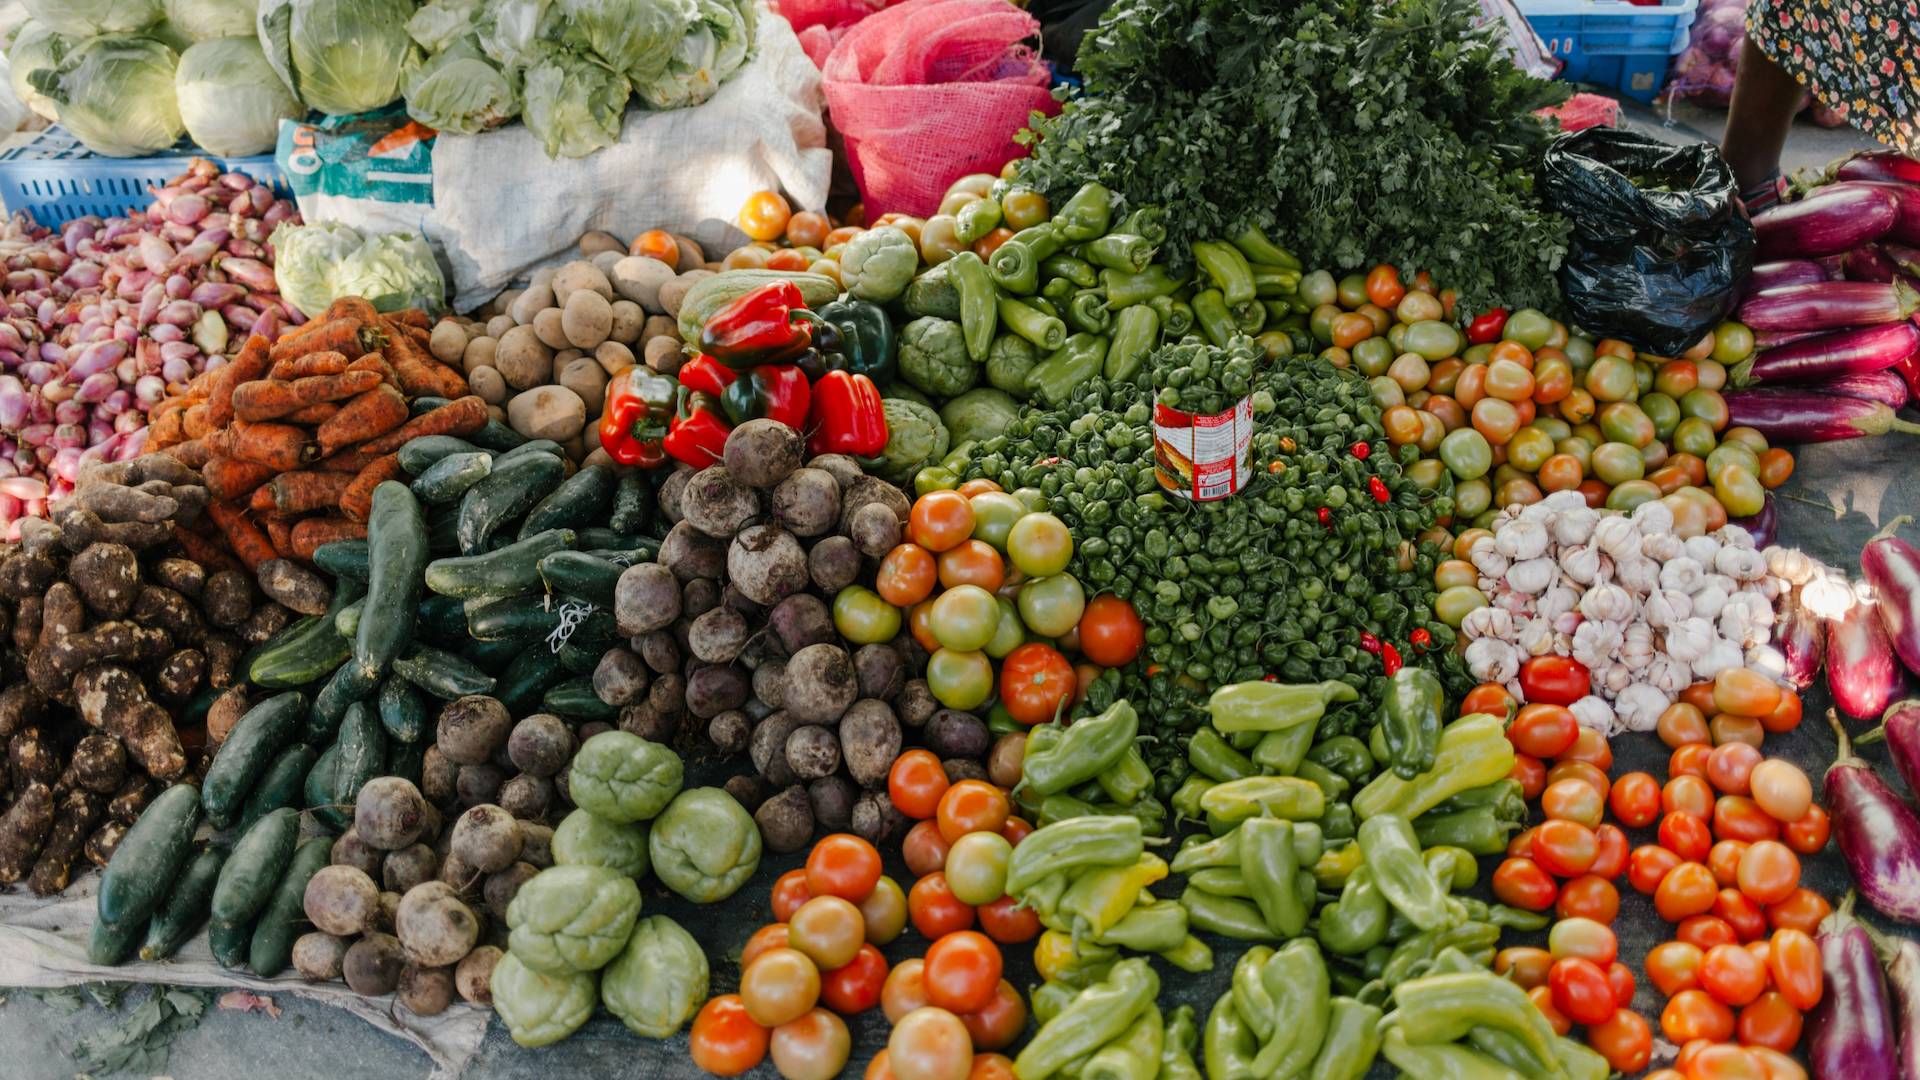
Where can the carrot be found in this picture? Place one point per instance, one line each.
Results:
(345, 461)
(196, 422)
(373, 361)
(231, 479)
(202, 550)
(351, 307)
(416, 333)
(420, 374)
(250, 544)
(320, 363)
(268, 400)
(179, 403)
(169, 429)
(462, 416)
(249, 364)
(313, 415)
(281, 447)
(413, 317)
(201, 385)
(357, 503)
(262, 498)
(348, 337)
(367, 416)
(280, 532)
(193, 453)
(310, 533)
(305, 492)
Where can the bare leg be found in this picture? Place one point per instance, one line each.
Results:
(1765, 97)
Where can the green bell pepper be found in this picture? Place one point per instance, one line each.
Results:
(1084, 841)
(1412, 721)
(1050, 998)
(1064, 267)
(1135, 1055)
(1084, 217)
(979, 298)
(1190, 955)
(1265, 706)
(1186, 798)
(1443, 1008)
(1136, 330)
(1150, 928)
(1228, 268)
(1126, 780)
(868, 345)
(1087, 312)
(1120, 251)
(1176, 316)
(1045, 330)
(1442, 1061)
(1274, 281)
(1353, 1039)
(1125, 289)
(1053, 380)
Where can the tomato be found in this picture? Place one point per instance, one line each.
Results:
(971, 806)
(884, 911)
(1530, 773)
(1724, 1061)
(1491, 698)
(807, 229)
(1383, 286)
(1771, 1021)
(915, 784)
(658, 244)
(1762, 950)
(1737, 817)
(1591, 747)
(1006, 922)
(1724, 861)
(1730, 768)
(1705, 931)
(1635, 800)
(1556, 680)
(1689, 889)
(934, 909)
(863, 617)
(1051, 606)
(999, 1022)
(1682, 725)
(1687, 795)
(829, 930)
(920, 625)
(1730, 728)
(1111, 633)
(1624, 1040)
(789, 893)
(925, 847)
(940, 520)
(725, 1041)
(1808, 835)
(1802, 910)
(771, 936)
(1648, 866)
(1581, 770)
(1732, 974)
(1694, 1014)
(1686, 836)
(1785, 716)
(1016, 829)
(1781, 789)
(1795, 966)
(1691, 759)
(1521, 846)
(977, 866)
(1040, 545)
(1778, 1066)
(965, 617)
(999, 1066)
(855, 986)
(1769, 872)
(1588, 897)
(905, 989)
(1572, 800)
(1745, 692)
(1734, 908)
(930, 1043)
(1542, 998)
(1673, 966)
(1621, 977)
(1521, 883)
(971, 562)
(1543, 730)
(960, 680)
(842, 865)
(1581, 991)
(1036, 683)
(1528, 965)
(907, 575)
(780, 986)
(1565, 848)
(1611, 860)
(764, 216)
(813, 1047)
(1583, 938)
(962, 969)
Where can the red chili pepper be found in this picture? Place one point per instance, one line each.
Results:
(1421, 639)
(699, 433)
(1391, 658)
(1379, 489)
(1269, 678)
(846, 417)
(1362, 450)
(1369, 643)
(1326, 517)
(770, 325)
(1485, 329)
(639, 407)
(706, 375)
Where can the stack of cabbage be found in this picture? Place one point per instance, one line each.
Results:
(317, 264)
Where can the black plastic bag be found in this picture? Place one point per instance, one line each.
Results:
(1657, 269)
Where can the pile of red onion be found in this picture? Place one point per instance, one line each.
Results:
(107, 317)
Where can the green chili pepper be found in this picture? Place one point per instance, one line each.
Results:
(1120, 251)
(1190, 955)
(1056, 291)
(1148, 221)
(1250, 997)
(1254, 244)
(1517, 919)
(1216, 322)
(1044, 895)
(1084, 217)
(1479, 830)
(1441, 1061)
(1087, 312)
(1101, 1014)
(1345, 755)
(1503, 1046)
(1176, 316)
(1017, 268)
(1127, 779)
(1281, 752)
(978, 296)
(1265, 706)
(1064, 758)
(1267, 864)
(1504, 795)
(1222, 880)
(1136, 330)
(1353, 1040)
(1339, 822)
(1224, 915)
(1085, 841)
(1186, 800)
(1229, 1045)
(1207, 752)
(1021, 317)
(1358, 920)
(1443, 1008)
(1125, 289)
(1416, 949)
(1049, 998)
(1135, 1055)
(1454, 868)
(1326, 779)
(1058, 808)
(1286, 797)
(1249, 317)
(1158, 927)
(1581, 1062)
(976, 219)
(1053, 380)
(1388, 844)
(1176, 1051)
(1412, 721)
(1473, 751)
(1228, 268)
(1076, 272)
(1270, 280)
(1297, 978)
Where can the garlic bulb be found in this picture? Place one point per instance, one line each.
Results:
(1603, 572)
(1773, 588)
(1827, 594)
(1720, 656)
(1741, 564)
(1639, 575)
(1617, 537)
(1664, 607)
(1490, 622)
(1593, 712)
(1689, 639)
(1614, 678)
(1610, 602)
(1575, 526)
(1566, 623)
(1681, 575)
(1733, 536)
(1492, 660)
(1736, 624)
(1702, 549)
(1709, 600)
(1769, 661)
(1509, 599)
(1639, 706)
(1522, 540)
(1636, 649)
(1556, 601)
(1563, 501)
(1726, 584)
(1791, 563)
(1653, 517)
(1580, 562)
(1669, 674)
(1662, 546)
(1487, 558)
(1536, 637)
(1597, 642)
(1539, 512)
(1531, 576)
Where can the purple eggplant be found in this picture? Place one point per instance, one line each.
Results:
(1801, 638)
(1862, 670)
(1906, 225)
(1785, 272)
(1885, 387)
(1847, 352)
(1764, 526)
(1892, 567)
(1907, 259)
(1869, 263)
(1829, 305)
(1850, 1035)
(1900, 728)
(1831, 220)
(1880, 165)
(1794, 415)
(1901, 958)
(1773, 339)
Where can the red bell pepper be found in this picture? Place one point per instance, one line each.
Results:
(699, 431)
(846, 417)
(774, 392)
(640, 404)
(770, 325)
(706, 375)
(1485, 329)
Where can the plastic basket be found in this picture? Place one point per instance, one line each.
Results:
(1613, 43)
(56, 179)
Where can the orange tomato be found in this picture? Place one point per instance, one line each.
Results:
(1687, 794)
(1795, 965)
(807, 229)
(1036, 682)
(1690, 759)
(1006, 922)
(772, 936)
(1724, 1061)
(725, 1041)
(1745, 692)
(1802, 910)
(1769, 872)
(1564, 848)
(1730, 768)
(1649, 865)
(990, 243)
(1748, 921)
(1635, 800)
(1529, 966)
(1531, 773)
(1686, 836)
(764, 215)
(657, 244)
(1490, 698)
(1724, 861)
(1572, 800)
(961, 972)
(1694, 1014)
(940, 520)
(995, 1025)
(1624, 1040)
(1674, 966)
(1732, 975)
(1771, 1021)
(1543, 730)
(915, 783)
(1808, 835)
(971, 562)
(1737, 817)
(1591, 747)
(934, 909)
(971, 806)
(1521, 882)
(1542, 998)
(1688, 889)
(1705, 931)
(924, 848)
(843, 865)
(1610, 860)
(1383, 286)
(1588, 897)
(787, 259)
(907, 575)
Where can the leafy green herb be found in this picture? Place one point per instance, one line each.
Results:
(139, 1043)
(65, 1000)
(1352, 131)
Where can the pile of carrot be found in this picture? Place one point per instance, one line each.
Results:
(293, 435)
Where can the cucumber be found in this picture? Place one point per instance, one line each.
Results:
(405, 760)
(319, 789)
(444, 534)
(298, 655)
(632, 505)
(451, 476)
(285, 918)
(398, 538)
(350, 683)
(363, 753)
(531, 618)
(188, 905)
(256, 739)
(109, 945)
(419, 455)
(496, 436)
(421, 406)
(512, 570)
(347, 623)
(442, 620)
(194, 712)
(280, 785)
(536, 446)
(491, 655)
(259, 858)
(230, 943)
(403, 712)
(582, 576)
(528, 677)
(442, 674)
(585, 499)
(575, 700)
(594, 539)
(344, 559)
(149, 857)
(579, 660)
(510, 491)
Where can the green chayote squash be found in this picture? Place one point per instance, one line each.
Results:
(705, 845)
(587, 839)
(658, 981)
(539, 1008)
(623, 777)
(572, 918)
(878, 264)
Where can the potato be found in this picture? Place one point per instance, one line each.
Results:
(435, 928)
(713, 690)
(639, 278)
(761, 453)
(832, 800)
(870, 740)
(536, 298)
(730, 731)
(342, 901)
(661, 326)
(748, 791)
(502, 887)
(799, 621)
(766, 563)
(876, 820)
(628, 320)
(351, 850)
(672, 293)
(472, 729)
(479, 353)
(547, 412)
(550, 327)
(499, 325)
(481, 784)
(691, 254)
(487, 838)
(613, 357)
(593, 242)
(820, 684)
(409, 867)
(813, 752)
(579, 276)
(874, 530)
(439, 777)
(786, 820)
(659, 651)
(647, 597)
(955, 734)
(690, 553)
(586, 378)
(527, 797)
(523, 358)
(448, 342)
(318, 957)
(489, 385)
(473, 976)
(372, 965)
(871, 489)
(389, 813)
(426, 991)
(587, 320)
(833, 564)
(807, 502)
(916, 704)
(718, 503)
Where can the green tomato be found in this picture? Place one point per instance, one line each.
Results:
(1452, 605)
(1373, 356)
(1618, 462)
(1732, 343)
(1318, 288)
(1529, 327)
(977, 867)
(1478, 354)
(1051, 606)
(1712, 374)
(1625, 497)
(1579, 352)
(1426, 472)
(1706, 404)
(1555, 427)
(863, 618)
(1642, 377)
(1693, 435)
(1320, 323)
(959, 680)
(1655, 454)
(1733, 453)
(1353, 291)
(1397, 338)
(1662, 410)
(1040, 545)
(1738, 491)
(1751, 438)
(994, 513)
(1466, 453)
(1033, 499)
(1433, 339)
(1010, 634)
(1622, 421)
(1384, 391)
(1529, 449)
(1471, 498)
(964, 618)
(1611, 379)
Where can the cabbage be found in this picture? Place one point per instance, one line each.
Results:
(171, 36)
(574, 106)
(440, 25)
(459, 90)
(85, 18)
(716, 45)
(393, 271)
(36, 47)
(633, 37)
(511, 30)
(340, 56)
(116, 94)
(230, 99)
(203, 20)
(305, 260)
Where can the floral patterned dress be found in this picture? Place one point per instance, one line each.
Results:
(1861, 59)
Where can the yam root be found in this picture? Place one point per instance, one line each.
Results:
(108, 578)
(116, 502)
(104, 842)
(24, 573)
(184, 576)
(295, 586)
(357, 503)
(111, 698)
(460, 416)
(81, 528)
(132, 799)
(227, 598)
(78, 812)
(267, 620)
(305, 492)
(21, 706)
(32, 757)
(267, 399)
(24, 831)
(99, 763)
(180, 674)
(159, 606)
(61, 613)
(252, 362)
(368, 416)
(26, 630)
(310, 533)
(52, 668)
(223, 659)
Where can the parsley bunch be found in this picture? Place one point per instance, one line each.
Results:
(1352, 131)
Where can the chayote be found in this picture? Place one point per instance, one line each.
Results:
(705, 845)
(587, 839)
(878, 264)
(658, 981)
(539, 1008)
(623, 777)
(572, 918)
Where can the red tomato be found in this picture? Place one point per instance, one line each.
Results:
(1490, 698)
(1522, 884)
(771, 936)
(1736, 817)
(1531, 773)
(961, 972)
(1521, 846)
(1006, 922)
(1542, 998)
(1785, 716)
(1036, 683)
(1588, 897)
(1771, 1021)
(1795, 965)
(725, 1041)
(1673, 966)
(1685, 835)
(1111, 633)
(925, 849)
(1581, 991)
(1624, 1040)
(1732, 974)
(933, 909)
(842, 865)
(1808, 835)
(1610, 861)
(1485, 329)
(915, 784)
(1730, 767)
(1724, 861)
(1383, 286)
(999, 1022)
(1556, 680)
(1016, 829)
(1686, 794)
(1689, 760)
(1694, 1014)
(856, 987)
(789, 893)
(940, 520)
(1574, 800)
(1565, 848)
(992, 1066)
(1688, 890)
(1648, 866)
(1591, 747)
(1802, 910)
(1621, 976)
(971, 806)
(1735, 909)
(1769, 872)
(1635, 800)
(1579, 770)
(1705, 931)
(1543, 730)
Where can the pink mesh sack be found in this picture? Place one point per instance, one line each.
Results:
(805, 14)
(930, 90)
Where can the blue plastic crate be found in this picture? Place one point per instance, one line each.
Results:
(56, 179)
(1613, 43)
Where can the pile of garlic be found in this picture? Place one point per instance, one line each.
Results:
(1647, 613)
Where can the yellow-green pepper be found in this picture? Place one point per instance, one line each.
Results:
(1265, 706)
(1473, 751)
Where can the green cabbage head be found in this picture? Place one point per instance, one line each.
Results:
(204, 20)
(36, 47)
(115, 93)
(85, 18)
(633, 37)
(393, 271)
(306, 259)
(230, 99)
(717, 43)
(340, 56)
(460, 90)
(573, 105)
